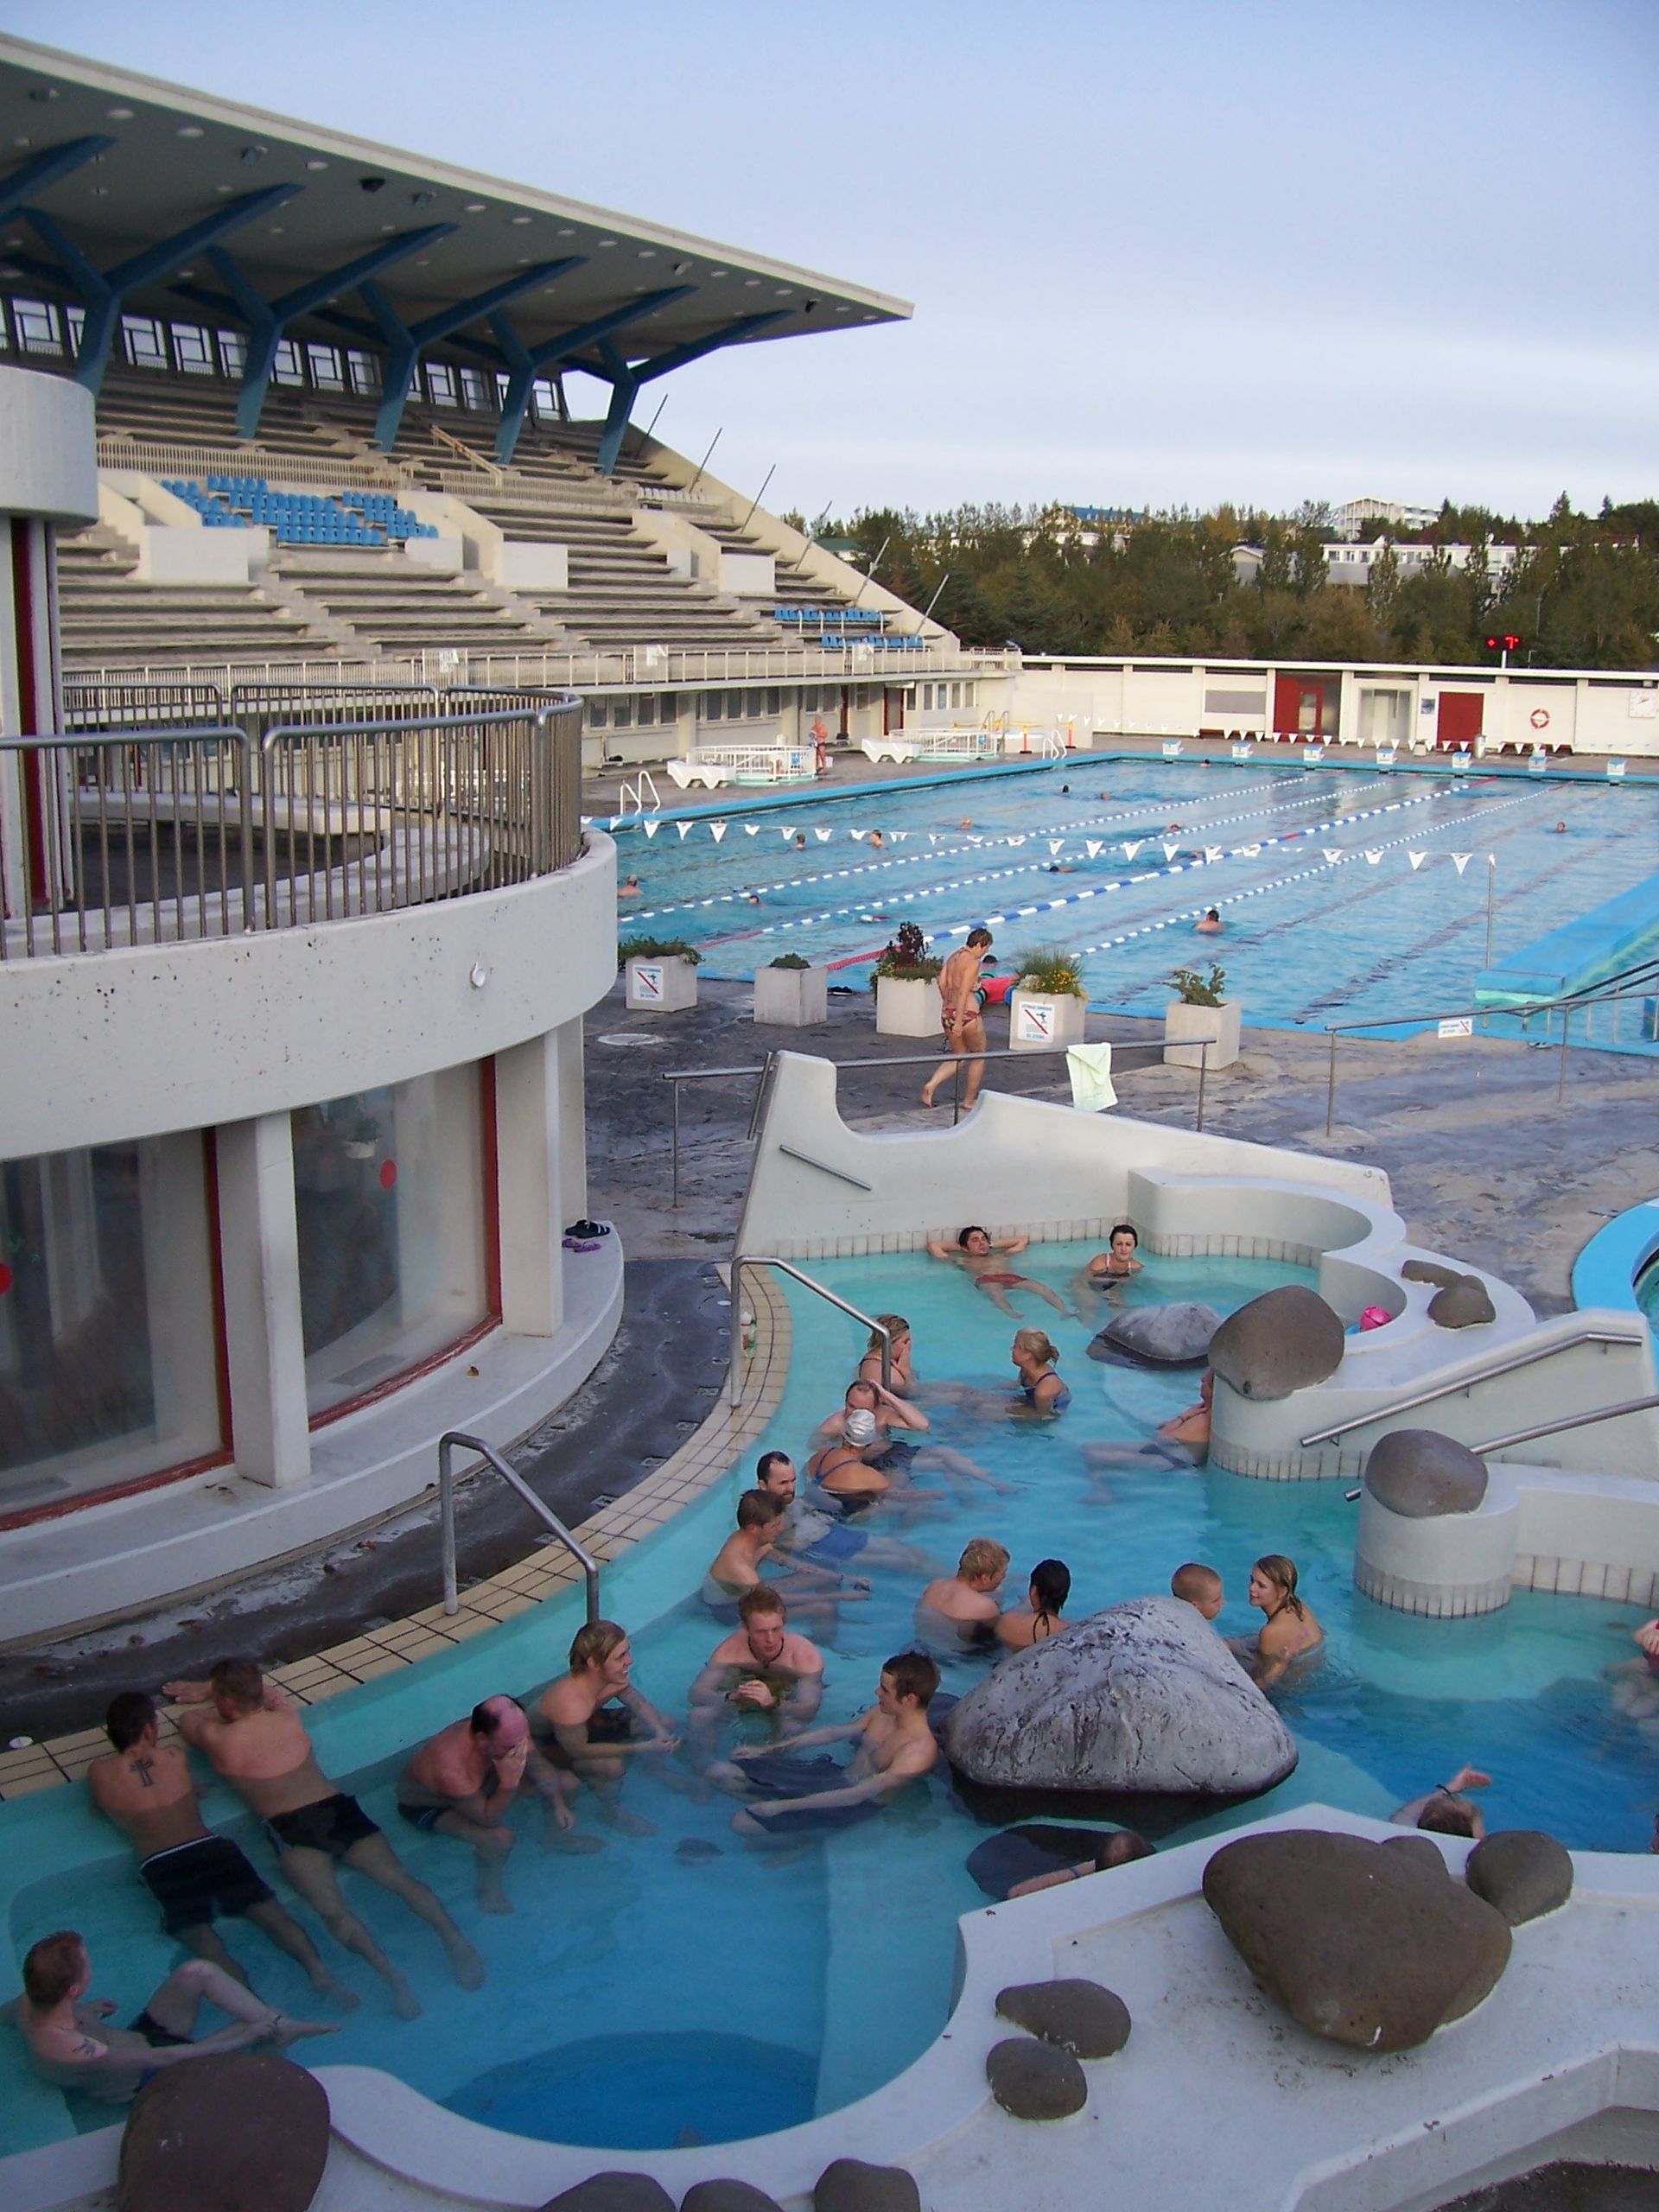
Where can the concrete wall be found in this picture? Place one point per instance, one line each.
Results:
(48, 463)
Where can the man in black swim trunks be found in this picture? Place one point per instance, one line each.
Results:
(1036, 1857)
(144, 1787)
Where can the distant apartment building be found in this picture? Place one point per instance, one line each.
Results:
(1352, 565)
(1354, 514)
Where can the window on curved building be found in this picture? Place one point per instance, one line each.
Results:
(109, 1366)
(396, 1230)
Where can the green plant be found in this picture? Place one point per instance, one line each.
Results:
(789, 960)
(1051, 971)
(1192, 990)
(657, 948)
(906, 958)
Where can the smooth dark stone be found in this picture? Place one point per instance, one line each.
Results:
(1423, 1849)
(240, 2132)
(1419, 1474)
(1035, 2081)
(849, 2185)
(1157, 1336)
(1464, 1304)
(1521, 1872)
(1081, 2017)
(612, 2192)
(1286, 1340)
(727, 2196)
(1430, 1271)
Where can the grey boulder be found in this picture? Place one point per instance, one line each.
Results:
(612, 2192)
(1419, 1474)
(1464, 1304)
(1283, 1341)
(1081, 2017)
(1144, 1697)
(1361, 1942)
(1157, 1336)
(239, 2131)
(849, 2185)
(1035, 2081)
(1521, 1872)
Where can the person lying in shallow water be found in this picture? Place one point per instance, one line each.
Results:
(981, 1256)
(1182, 1441)
(1023, 1859)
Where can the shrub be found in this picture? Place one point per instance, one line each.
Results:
(1192, 990)
(1049, 968)
(657, 948)
(906, 958)
(789, 960)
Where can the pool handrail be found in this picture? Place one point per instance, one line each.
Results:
(742, 1260)
(1590, 1333)
(1571, 1420)
(491, 1459)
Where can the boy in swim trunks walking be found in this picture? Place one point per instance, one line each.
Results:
(145, 1788)
(792, 1795)
(254, 1740)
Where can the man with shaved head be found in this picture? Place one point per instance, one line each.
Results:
(462, 1782)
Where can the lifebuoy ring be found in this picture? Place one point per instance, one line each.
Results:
(1540, 718)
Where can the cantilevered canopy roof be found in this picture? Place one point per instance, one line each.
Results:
(172, 199)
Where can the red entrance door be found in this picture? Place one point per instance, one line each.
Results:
(1458, 723)
(1305, 706)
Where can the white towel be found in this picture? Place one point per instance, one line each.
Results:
(1090, 1069)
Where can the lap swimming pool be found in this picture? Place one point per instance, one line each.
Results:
(679, 1987)
(1347, 893)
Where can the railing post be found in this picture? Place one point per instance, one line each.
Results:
(735, 1365)
(1330, 1086)
(1566, 1023)
(447, 1518)
(1203, 1065)
(675, 1201)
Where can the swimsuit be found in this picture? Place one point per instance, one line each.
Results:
(1061, 1398)
(1000, 1281)
(426, 1817)
(781, 1774)
(607, 1724)
(333, 1826)
(1019, 1854)
(721, 1597)
(897, 1458)
(156, 2035)
(193, 1882)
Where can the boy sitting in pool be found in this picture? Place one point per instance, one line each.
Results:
(792, 1795)
(959, 1612)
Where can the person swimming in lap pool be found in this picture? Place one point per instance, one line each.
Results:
(792, 1795)
(253, 1739)
(979, 1255)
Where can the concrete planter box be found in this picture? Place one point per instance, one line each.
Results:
(1038, 1018)
(790, 998)
(904, 1007)
(661, 984)
(1182, 1022)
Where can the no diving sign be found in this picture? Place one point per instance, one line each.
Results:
(648, 982)
(1035, 1025)
(1458, 1024)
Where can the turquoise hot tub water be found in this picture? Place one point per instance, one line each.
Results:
(681, 1987)
(1293, 875)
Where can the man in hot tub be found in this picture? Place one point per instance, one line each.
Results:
(792, 1795)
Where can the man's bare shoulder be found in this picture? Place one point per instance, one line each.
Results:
(801, 1655)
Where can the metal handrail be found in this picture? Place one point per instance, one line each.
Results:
(1571, 1421)
(1591, 1335)
(742, 1260)
(493, 1459)
(678, 1076)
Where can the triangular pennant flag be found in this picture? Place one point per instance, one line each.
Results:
(1416, 860)
(823, 836)
(897, 836)
(786, 835)
(1372, 858)
(1213, 852)
(1460, 861)
(1056, 845)
(1170, 851)
(1250, 851)
(1491, 860)
(1091, 845)
(1130, 851)
(586, 820)
(932, 837)
(684, 829)
(717, 831)
(1332, 852)
(1013, 840)
(651, 827)
(858, 836)
(612, 823)
(751, 828)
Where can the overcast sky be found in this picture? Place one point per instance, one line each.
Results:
(1162, 252)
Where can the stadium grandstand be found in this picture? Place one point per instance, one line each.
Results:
(335, 444)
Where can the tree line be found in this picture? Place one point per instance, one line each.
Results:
(1584, 594)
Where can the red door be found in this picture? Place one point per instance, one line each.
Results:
(1299, 705)
(1460, 718)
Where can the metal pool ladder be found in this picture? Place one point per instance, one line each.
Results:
(742, 1260)
(491, 1459)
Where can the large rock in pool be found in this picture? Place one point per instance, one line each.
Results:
(1280, 1342)
(1157, 1336)
(1419, 1474)
(241, 2132)
(1362, 1943)
(1144, 1698)
(1521, 1872)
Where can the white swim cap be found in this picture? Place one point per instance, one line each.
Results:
(860, 1426)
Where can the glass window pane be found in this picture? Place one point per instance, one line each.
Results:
(323, 362)
(193, 349)
(141, 336)
(473, 391)
(233, 352)
(38, 329)
(440, 384)
(389, 1191)
(365, 372)
(108, 1368)
(288, 369)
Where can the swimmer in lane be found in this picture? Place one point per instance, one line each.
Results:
(630, 886)
(792, 1795)
(1209, 923)
(980, 1255)
(253, 1739)
(145, 1788)
(958, 1612)
(73, 2045)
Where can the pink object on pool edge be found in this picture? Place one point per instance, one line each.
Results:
(1376, 1317)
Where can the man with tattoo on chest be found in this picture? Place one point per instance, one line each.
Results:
(145, 1788)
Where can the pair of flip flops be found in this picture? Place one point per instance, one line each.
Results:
(585, 1236)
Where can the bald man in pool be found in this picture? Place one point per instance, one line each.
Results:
(464, 1781)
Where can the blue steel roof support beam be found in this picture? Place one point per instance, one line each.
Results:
(103, 291)
(404, 341)
(268, 319)
(627, 377)
(525, 362)
(43, 170)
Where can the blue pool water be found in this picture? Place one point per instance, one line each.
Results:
(644, 1966)
(1327, 918)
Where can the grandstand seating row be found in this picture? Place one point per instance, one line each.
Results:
(829, 617)
(300, 518)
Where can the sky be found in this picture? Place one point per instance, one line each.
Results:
(1162, 252)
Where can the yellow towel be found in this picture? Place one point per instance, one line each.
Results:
(1090, 1069)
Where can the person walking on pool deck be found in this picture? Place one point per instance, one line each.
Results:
(73, 2045)
(463, 1782)
(145, 1788)
(1041, 1616)
(592, 1720)
(794, 1795)
(253, 1739)
(959, 1611)
(979, 1255)
(960, 1017)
